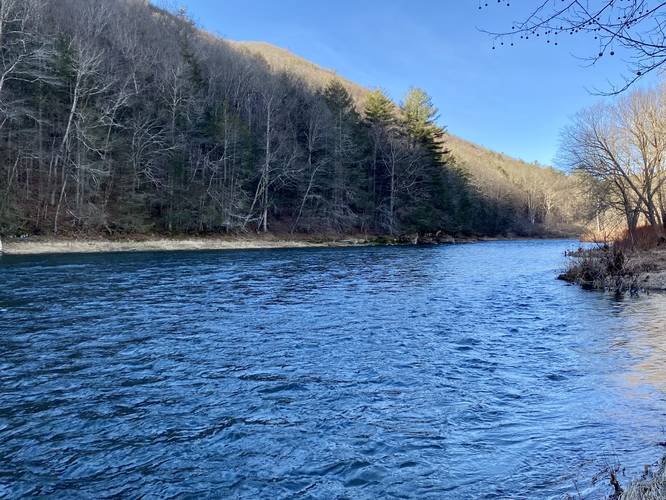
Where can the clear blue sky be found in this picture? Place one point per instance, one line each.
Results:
(512, 99)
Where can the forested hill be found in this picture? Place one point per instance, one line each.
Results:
(118, 117)
(528, 198)
(280, 59)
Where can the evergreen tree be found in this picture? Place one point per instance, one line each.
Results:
(380, 117)
(345, 149)
(431, 210)
(420, 114)
(378, 108)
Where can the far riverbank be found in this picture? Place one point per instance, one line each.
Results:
(34, 245)
(50, 245)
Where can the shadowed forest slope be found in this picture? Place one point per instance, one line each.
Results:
(119, 117)
(528, 198)
(538, 196)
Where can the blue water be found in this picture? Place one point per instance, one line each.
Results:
(445, 372)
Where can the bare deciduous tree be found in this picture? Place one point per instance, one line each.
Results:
(622, 147)
(631, 28)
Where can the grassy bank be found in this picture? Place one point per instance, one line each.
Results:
(651, 485)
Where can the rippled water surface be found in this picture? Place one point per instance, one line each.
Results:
(453, 371)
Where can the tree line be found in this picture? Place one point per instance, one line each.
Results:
(119, 117)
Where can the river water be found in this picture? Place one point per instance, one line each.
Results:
(461, 371)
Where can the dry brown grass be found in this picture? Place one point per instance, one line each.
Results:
(614, 269)
(644, 238)
(631, 263)
(37, 245)
(652, 486)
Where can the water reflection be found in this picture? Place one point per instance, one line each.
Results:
(641, 333)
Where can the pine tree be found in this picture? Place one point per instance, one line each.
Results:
(432, 210)
(380, 117)
(378, 108)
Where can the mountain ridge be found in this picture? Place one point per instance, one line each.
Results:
(280, 58)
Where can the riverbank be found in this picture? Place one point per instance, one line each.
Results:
(35, 245)
(652, 486)
(616, 268)
(48, 245)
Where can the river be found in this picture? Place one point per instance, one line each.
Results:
(461, 371)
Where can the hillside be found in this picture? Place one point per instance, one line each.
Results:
(281, 59)
(544, 195)
(118, 117)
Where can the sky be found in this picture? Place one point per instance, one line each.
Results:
(513, 100)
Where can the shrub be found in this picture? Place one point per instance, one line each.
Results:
(644, 238)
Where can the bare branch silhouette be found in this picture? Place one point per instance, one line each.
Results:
(634, 28)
